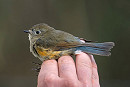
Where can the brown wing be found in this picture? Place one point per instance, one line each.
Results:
(58, 39)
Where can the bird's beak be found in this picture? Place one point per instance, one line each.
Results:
(26, 31)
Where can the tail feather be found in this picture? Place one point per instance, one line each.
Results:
(105, 45)
(97, 48)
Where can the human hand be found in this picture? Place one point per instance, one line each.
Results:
(65, 73)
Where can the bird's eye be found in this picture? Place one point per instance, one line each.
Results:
(38, 32)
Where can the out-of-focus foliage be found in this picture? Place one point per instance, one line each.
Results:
(100, 20)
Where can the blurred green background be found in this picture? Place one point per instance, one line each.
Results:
(98, 20)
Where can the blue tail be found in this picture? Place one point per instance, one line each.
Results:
(97, 48)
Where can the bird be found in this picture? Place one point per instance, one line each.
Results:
(48, 43)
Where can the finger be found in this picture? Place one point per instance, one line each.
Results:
(48, 72)
(67, 68)
(49, 66)
(95, 77)
(84, 68)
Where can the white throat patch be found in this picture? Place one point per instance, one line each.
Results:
(29, 37)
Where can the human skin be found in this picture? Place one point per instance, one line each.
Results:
(67, 73)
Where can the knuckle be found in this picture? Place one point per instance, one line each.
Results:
(86, 64)
(50, 78)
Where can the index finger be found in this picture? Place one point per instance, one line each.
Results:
(48, 72)
(49, 66)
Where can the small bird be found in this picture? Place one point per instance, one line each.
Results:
(49, 43)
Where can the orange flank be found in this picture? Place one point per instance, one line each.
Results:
(48, 53)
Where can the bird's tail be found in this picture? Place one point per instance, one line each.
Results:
(97, 48)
